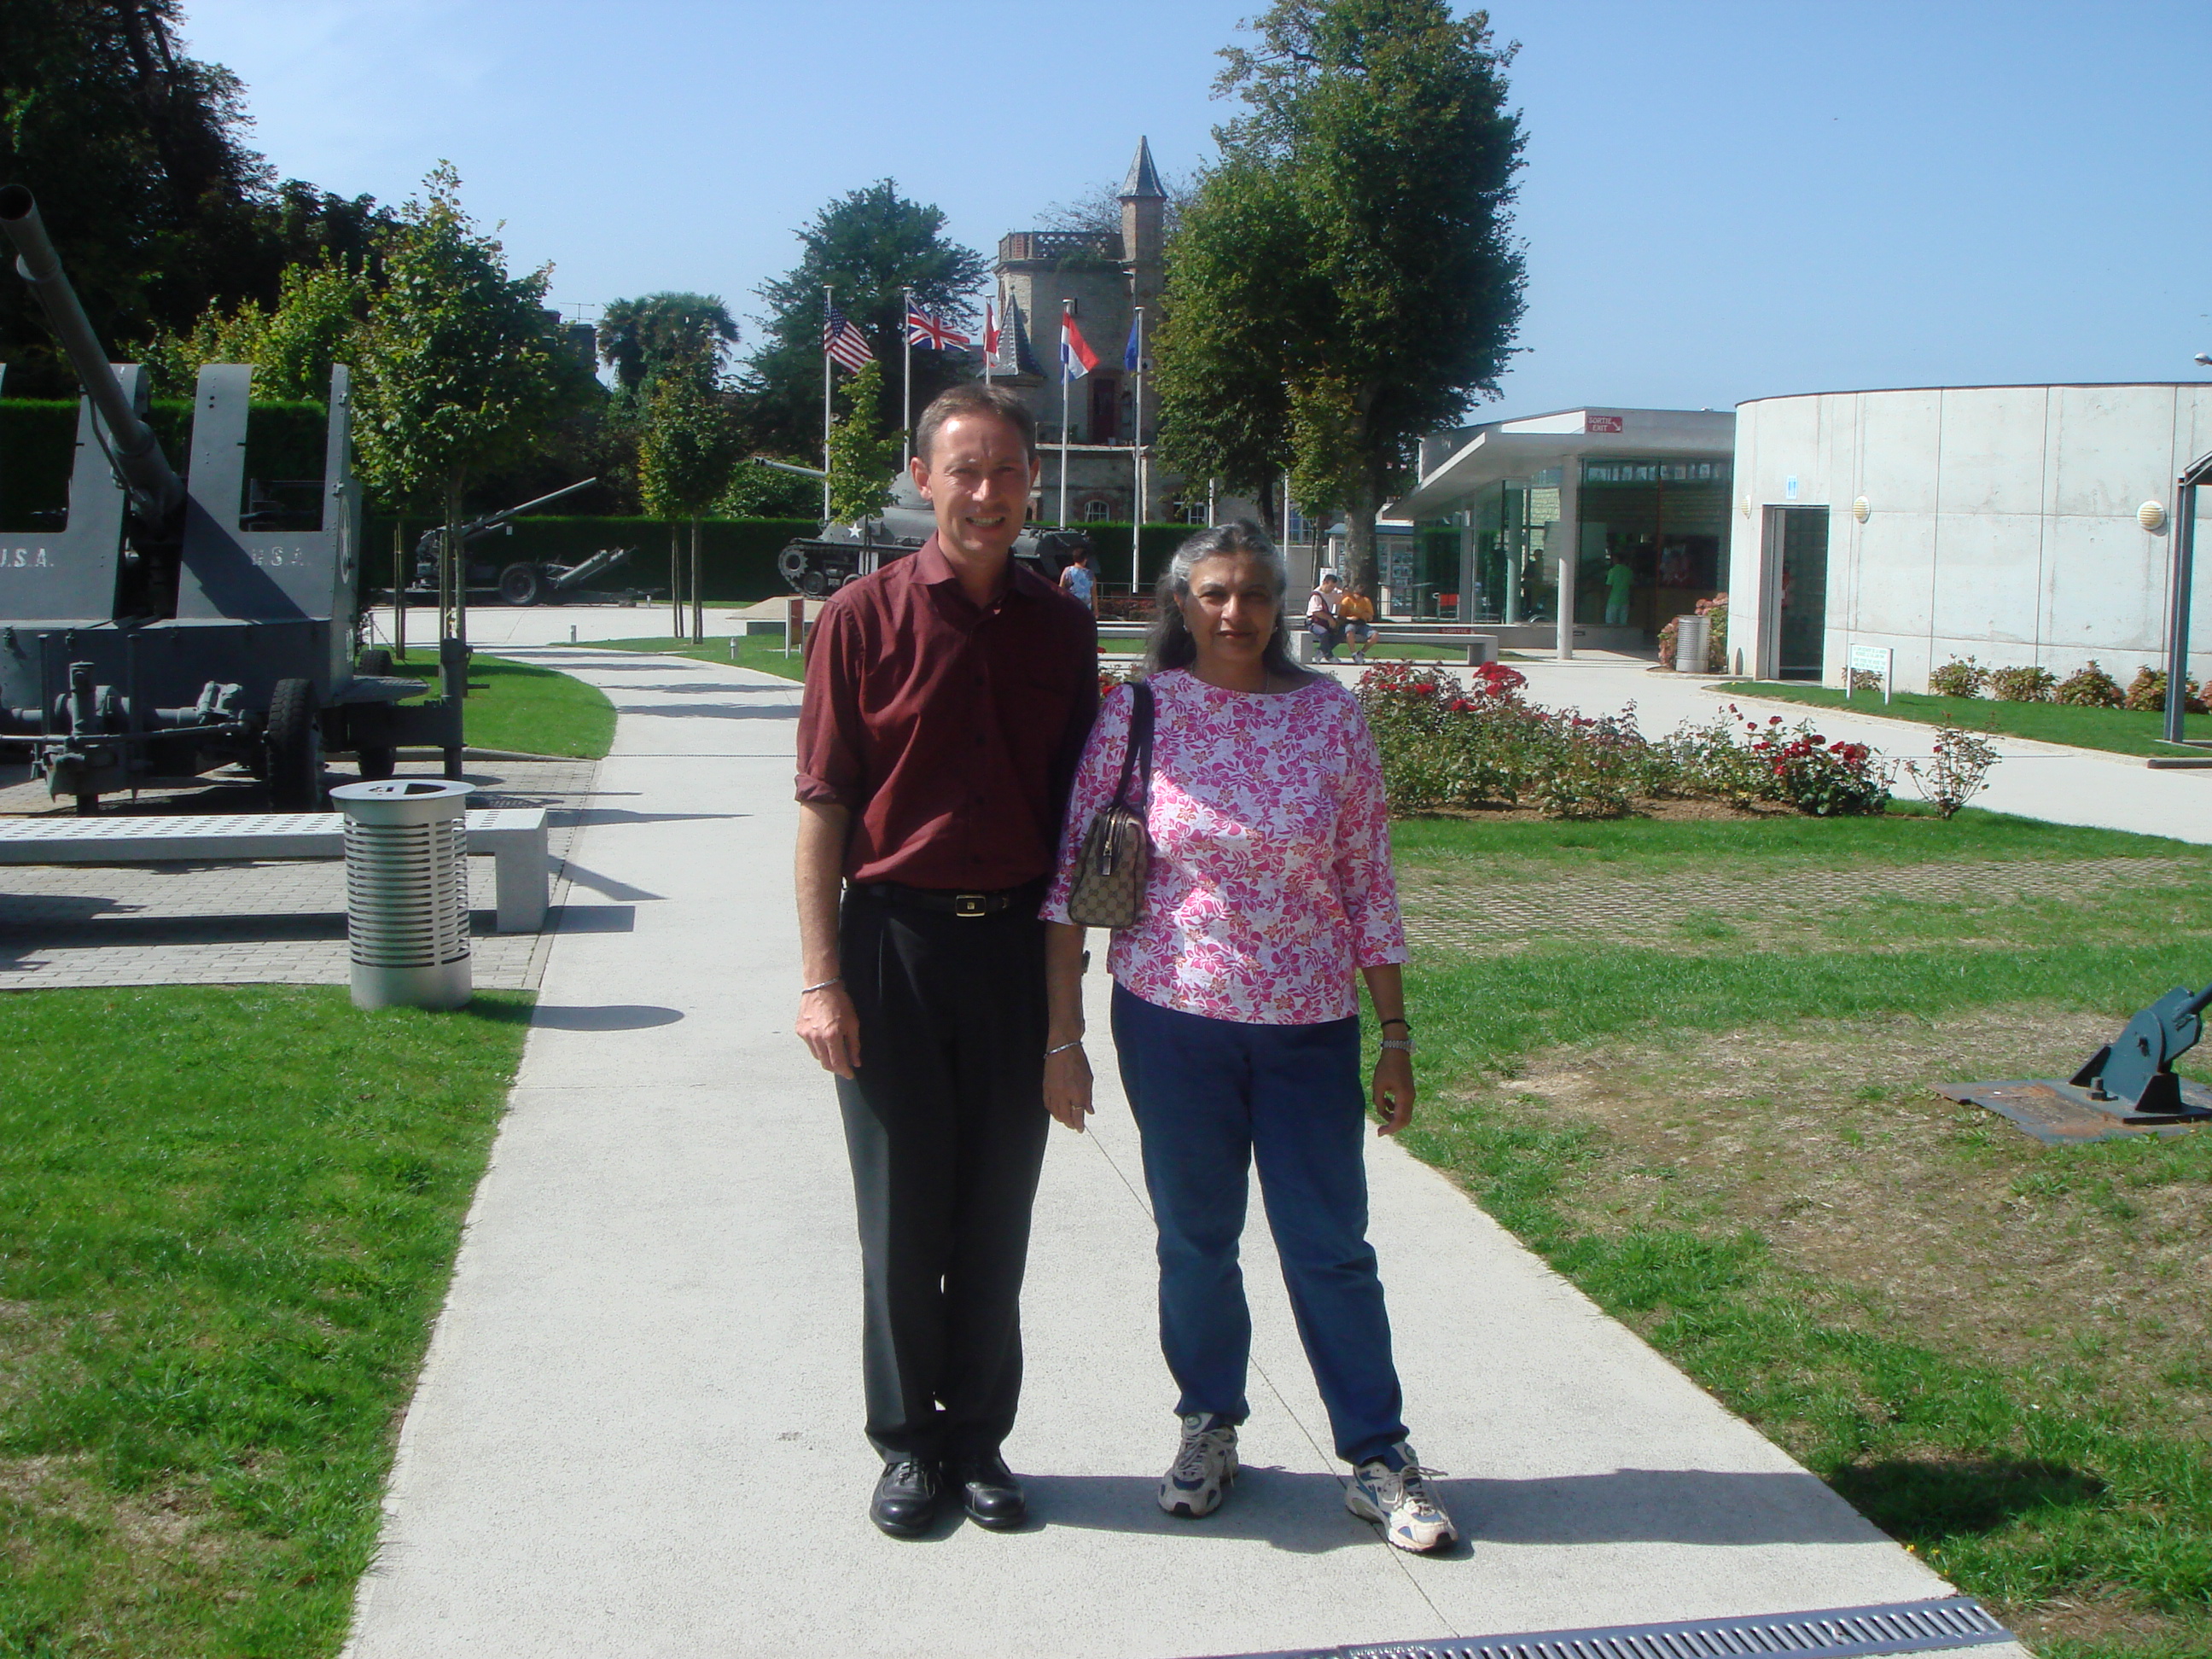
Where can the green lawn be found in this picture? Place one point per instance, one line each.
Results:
(525, 708)
(1714, 1115)
(762, 651)
(2121, 731)
(227, 1217)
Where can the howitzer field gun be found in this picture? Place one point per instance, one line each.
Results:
(168, 628)
(517, 581)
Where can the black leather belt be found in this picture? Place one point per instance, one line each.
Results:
(945, 902)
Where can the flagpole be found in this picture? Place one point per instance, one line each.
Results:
(828, 305)
(906, 382)
(1066, 310)
(990, 315)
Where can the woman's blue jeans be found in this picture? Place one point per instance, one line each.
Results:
(1212, 1097)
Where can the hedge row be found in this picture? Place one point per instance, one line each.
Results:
(37, 435)
(737, 556)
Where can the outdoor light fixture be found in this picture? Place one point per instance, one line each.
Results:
(2205, 358)
(2151, 515)
(1746, 506)
(1860, 509)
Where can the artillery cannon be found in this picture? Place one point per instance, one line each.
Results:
(820, 564)
(518, 581)
(168, 627)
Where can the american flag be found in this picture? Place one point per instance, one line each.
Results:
(841, 341)
(924, 330)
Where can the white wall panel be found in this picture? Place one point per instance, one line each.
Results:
(1985, 586)
(1992, 449)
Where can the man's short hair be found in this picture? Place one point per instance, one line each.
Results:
(974, 397)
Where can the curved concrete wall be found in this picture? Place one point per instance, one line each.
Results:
(2001, 524)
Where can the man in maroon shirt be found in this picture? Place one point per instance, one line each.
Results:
(948, 695)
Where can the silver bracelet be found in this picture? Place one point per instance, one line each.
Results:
(1403, 1045)
(835, 979)
(1063, 1048)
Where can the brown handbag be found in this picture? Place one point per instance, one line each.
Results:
(1117, 851)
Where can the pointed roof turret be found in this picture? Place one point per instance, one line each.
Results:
(1144, 180)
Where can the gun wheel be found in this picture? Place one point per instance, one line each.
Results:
(521, 584)
(377, 763)
(292, 742)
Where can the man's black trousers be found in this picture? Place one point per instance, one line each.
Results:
(944, 1123)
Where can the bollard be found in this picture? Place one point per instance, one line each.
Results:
(1693, 637)
(407, 892)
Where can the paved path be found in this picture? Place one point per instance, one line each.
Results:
(638, 1431)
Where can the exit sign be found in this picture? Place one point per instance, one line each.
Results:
(1601, 423)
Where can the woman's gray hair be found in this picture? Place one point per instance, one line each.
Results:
(1170, 644)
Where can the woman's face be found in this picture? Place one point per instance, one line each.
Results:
(1231, 609)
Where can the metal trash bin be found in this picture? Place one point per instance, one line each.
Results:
(1692, 639)
(407, 892)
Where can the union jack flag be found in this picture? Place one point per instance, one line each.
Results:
(924, 330)
(844, 343)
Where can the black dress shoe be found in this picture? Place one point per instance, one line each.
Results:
(906, 1498)
(989, 1492)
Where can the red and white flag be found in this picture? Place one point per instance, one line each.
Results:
(1077, 359)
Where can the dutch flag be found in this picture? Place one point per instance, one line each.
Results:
(1077, 359)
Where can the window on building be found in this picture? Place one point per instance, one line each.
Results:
(1095, 511)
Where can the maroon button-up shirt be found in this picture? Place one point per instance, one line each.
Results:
(950, 731)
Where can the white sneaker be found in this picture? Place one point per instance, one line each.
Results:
(1398, 1500)
(1205, 1467)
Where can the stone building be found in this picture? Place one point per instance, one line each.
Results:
(1099, 277)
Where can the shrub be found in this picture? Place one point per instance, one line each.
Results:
(1822, 779)
(1961, 677)
(1957, 772)
(2146, 693)
(2022, 684)
(2089, 688)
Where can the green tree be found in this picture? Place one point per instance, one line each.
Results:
(1371, 172)
(638, 338)
(868, 244)
(861, 460)
(685, 452)
(137, 153)
(319, 310)
(461, 366)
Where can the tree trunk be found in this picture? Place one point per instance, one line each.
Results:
(457, 566)
(675, 581)
(1359, 506)
(398, 589)
(698, 605)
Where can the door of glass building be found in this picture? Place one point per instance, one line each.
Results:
(1796, 597)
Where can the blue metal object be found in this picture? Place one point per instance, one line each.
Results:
(2135, 1070)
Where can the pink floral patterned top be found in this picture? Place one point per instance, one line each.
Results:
(1271, 877)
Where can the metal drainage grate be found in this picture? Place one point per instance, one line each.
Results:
(1835, 1633)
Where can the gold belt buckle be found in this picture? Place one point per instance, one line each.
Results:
(970, 904)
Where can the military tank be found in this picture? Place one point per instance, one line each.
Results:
(168, 626)
(819, 565)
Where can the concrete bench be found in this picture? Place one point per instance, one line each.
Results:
(514, 836)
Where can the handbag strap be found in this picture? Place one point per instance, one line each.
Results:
(1137, 756)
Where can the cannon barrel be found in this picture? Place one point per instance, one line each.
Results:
(155, 488)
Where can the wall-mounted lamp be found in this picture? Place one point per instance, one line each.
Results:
(1746, 507)
(2151, 515)
(1860, 509)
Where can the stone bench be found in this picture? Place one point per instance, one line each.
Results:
(514, 836)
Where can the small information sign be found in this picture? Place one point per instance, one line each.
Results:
(794, 624)
(1871, 660)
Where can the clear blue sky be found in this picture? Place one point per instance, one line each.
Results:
(1721, 201)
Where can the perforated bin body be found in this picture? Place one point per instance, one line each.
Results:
(407, 892)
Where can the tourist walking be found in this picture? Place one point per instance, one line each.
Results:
(1078, 579)
(947, 698)
(1236, 1014)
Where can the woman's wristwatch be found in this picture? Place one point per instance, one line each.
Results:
(1403, 1044)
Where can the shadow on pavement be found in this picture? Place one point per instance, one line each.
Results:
(1305, 1513)
(608, 885)
(613, 1017)
(709, 711)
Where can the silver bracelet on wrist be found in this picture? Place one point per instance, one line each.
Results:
(1403, 1045)
(835, 979)
(1063, 1048)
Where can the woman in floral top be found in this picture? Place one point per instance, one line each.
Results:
(1236, 1016)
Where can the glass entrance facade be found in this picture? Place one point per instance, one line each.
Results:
(1668, 520)
(1513, 524)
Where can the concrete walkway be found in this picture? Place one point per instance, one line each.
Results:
(638, 1432)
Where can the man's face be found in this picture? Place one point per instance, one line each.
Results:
(978, 478)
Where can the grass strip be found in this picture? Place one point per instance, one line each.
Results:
(2118, 731)
(227, 1218)
(522, 707)
(762, 652)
